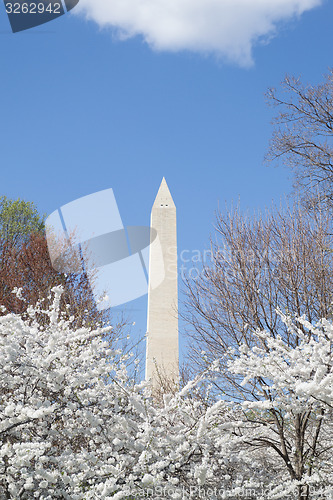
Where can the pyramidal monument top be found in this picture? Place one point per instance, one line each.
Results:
(163, 197)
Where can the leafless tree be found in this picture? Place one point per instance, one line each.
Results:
(303, 137)
(279, 260)
(282, 259)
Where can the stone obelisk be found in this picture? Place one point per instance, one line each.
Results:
(162, 356)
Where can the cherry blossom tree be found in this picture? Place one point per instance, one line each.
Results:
(289, 411)
(74, 425)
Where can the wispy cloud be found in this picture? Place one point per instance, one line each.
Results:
(228, 28)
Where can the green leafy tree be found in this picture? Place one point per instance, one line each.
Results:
(18, 220)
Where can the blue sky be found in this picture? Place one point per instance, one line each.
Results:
(84, 108)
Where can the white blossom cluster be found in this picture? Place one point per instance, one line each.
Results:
(290, 411)
(74, 426)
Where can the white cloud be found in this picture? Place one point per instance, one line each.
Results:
(229, 28)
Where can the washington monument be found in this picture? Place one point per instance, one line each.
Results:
(162, 356)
